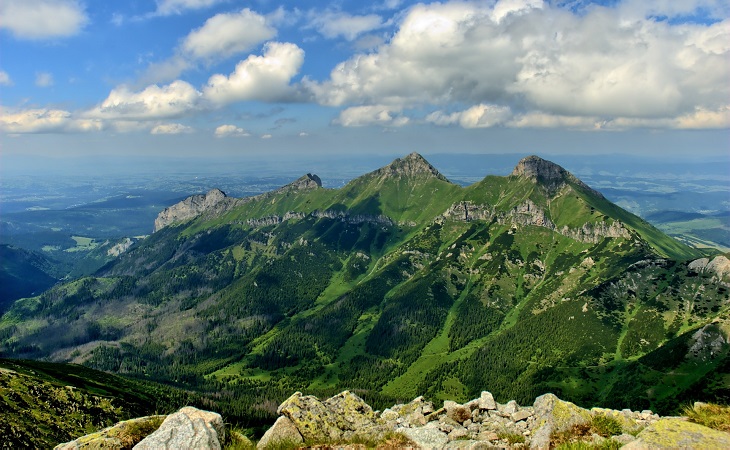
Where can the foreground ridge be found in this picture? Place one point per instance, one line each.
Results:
(346, 421)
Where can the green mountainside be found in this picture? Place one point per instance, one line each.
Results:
(42, 404)
(22, 273)
(398, 284)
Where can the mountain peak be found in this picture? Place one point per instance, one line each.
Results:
(308, 181)
(536, 168)
(547, 173)
(411, 165)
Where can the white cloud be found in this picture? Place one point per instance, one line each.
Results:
(541, 120)
(5, 79)
(227, 34)
(263, 78)
(42, 19)
(478, 116)
(702, 119)
(230, 131)
(545, 63)
(171, 128)
(360, 116)
(266, 136)
(153, 102)
(44, 120)
(334, 24)
(44, 79)
(221, 36)
(170, 7)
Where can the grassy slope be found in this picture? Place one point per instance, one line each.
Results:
(44, 404)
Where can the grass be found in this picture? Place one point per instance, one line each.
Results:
(511, 438)
(575, 438)
(710, 415)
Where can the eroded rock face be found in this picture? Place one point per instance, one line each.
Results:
(550, 175)
(718, 266)
(189, 208)
(188, 428)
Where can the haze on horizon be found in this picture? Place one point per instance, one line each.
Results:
(250, 80)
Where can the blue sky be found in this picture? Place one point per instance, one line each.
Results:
(222, 77)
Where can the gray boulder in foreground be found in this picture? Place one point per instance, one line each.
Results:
(283, 431)
(189, 428)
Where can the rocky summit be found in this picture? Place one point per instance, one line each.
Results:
(346, 421)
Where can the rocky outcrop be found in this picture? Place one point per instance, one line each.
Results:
(123, 435)
(678, 433)
(479, 423)
(342, 417)
(188, 428)
(719, 266)
(548, 174)
(282, 432)
(189, 208)
(216, 202)
(343, 216)
(528, 213)
(555, 416)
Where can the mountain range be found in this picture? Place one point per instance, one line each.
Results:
(398, 284)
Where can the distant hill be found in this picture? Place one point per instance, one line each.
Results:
(400, 283)
(22, 274)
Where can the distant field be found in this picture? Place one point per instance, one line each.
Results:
(704, 232)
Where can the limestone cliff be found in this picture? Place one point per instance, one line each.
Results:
(189, 208)
(550, 175)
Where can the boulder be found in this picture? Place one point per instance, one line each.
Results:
(671, 433)
(341, 417)
(553, 416)
(311, 417)
(425, 437)
(283, 431)
(486, 401)
(190, 428)
(123, 435)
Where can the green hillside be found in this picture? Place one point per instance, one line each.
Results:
(398, 284)
(43, 404)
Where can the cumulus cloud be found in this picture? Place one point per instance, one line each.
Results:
(360, 116)
(170, 7)
(42, 19)
(230, 131)
(43, 120)
(334, 24)
(5, 79)
(221, 36)
(44, 79)
(547, 64)
(228, 34)
(478, 116)
(171, 128)
(263, 78)
(154, 102)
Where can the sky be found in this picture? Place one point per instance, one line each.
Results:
(221, 78)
